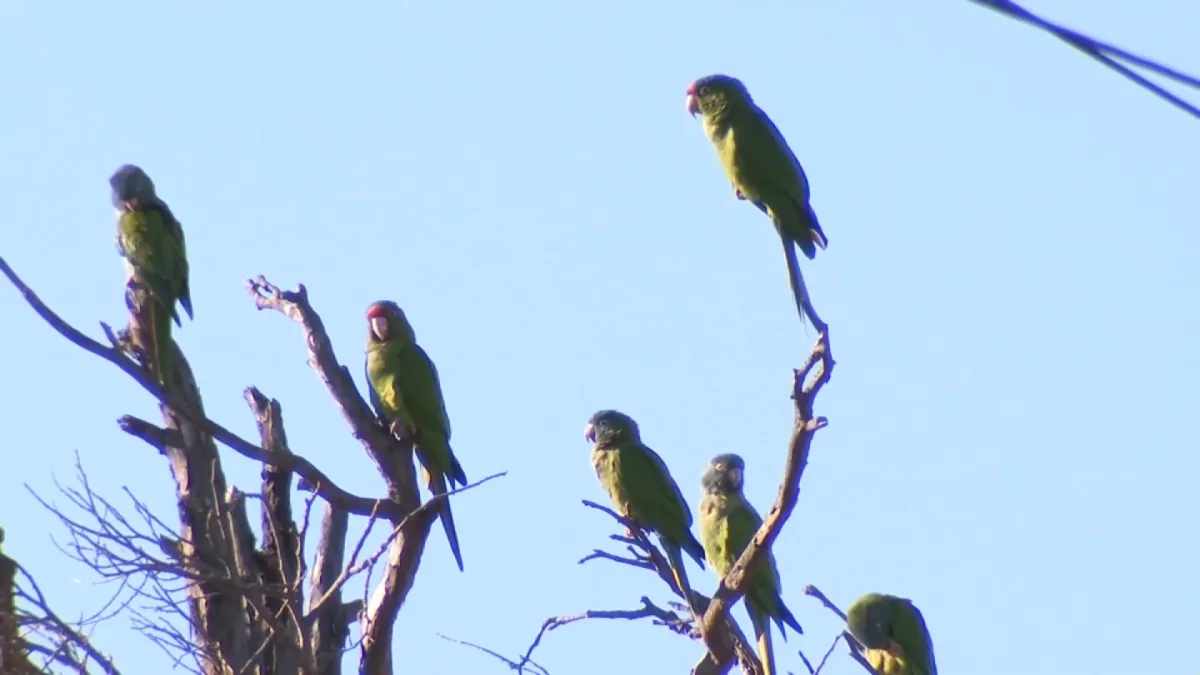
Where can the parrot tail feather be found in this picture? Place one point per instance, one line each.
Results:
(185, 301)
(815, 231)
(784, 617)
(675, 558)
(456, 474)
(799, 290)
(762, 631)
(160, 338)
(447, 517)
(695, 549)
(437, 485)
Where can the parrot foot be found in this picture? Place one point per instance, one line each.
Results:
(738, 193)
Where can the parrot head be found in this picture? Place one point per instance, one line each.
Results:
(386, 322)
(869, 620)
(714, 94)
(132, 189)
(609, 428)
(724, 475)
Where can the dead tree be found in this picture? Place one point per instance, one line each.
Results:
(244, 610)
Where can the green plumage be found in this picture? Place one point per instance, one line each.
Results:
(894, 634)
(151, 241)
(641, 488)
(727, 524)
(407, 395)
(760, 165)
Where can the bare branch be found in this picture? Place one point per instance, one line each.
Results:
(680, 625)
(64, 638)
(282, 560)
(312, 475)
(733, 583)
(646, 553)
(392, 456)
(519, 667)
(1105, 53)
(832, 646)
(857, 650)
(328, 634)
(377, 621)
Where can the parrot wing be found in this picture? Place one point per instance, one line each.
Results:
(773, 174)
(660, 499)
(376, 403)
(909, 630)
(728, 523)
(421, 391)
(146, 243)
(789, 163)
(665, 490)
(175, 232)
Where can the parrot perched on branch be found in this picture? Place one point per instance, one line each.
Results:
(761, 167)
(151, 241)
(407, 395)
(727, 524)
(894, 634)
(642, 489)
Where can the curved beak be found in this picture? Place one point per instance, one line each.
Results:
(379, 326)
(589, 432)
(693, 105)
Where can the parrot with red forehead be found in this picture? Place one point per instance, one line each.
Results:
(407, 396)
(759, 164)
(151, 241)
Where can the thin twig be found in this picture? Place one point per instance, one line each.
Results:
(857, 651)
(518, 667)
(1104, 53)
(648, 610)
(829, 651)
(62, 629)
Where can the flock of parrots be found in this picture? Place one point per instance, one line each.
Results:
(407, 395)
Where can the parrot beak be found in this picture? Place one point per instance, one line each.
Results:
(379, 326)
(589, 432)
(693, 105)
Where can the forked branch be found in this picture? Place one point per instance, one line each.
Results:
(805, 426)
(114, 355)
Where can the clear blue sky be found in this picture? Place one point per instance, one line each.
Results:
(1010, 281)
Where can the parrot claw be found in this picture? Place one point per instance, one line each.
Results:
(397, 429)
(738, 193)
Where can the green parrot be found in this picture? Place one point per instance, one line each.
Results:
(151, 241)
(894, 634)
(727, 524)
(759, 164)
(642, 489)
(407, 396)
